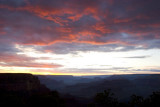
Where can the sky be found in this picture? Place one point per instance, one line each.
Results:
(80, 37)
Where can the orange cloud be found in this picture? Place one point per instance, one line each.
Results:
(13, 60)
(97, 22)
(54, 14)
(4, 57)
(122, 20)
(102, 28)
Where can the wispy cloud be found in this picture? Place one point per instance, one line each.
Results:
(137, 57)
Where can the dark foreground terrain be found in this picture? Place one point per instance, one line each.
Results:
(25, 90)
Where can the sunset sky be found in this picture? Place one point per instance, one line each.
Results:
(80, 37)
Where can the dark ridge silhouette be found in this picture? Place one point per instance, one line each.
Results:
(20, 82)
(25, 90)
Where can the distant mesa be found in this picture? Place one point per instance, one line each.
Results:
(20, 82)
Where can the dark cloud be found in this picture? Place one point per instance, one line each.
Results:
(13, 3)
(149, 70)
(92, 21)
(137, 57)
(74, 48)
(8, 48)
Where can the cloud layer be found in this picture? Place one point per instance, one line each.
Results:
(39, 22)
(70, 26)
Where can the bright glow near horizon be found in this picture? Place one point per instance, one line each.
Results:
(91, 63)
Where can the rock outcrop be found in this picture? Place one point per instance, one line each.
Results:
(20, 82)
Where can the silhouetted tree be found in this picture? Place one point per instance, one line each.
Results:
(105, 99)
(50, 100)
(136, 101)
(154, 99)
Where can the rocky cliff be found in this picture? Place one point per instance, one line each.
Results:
(20, 82)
